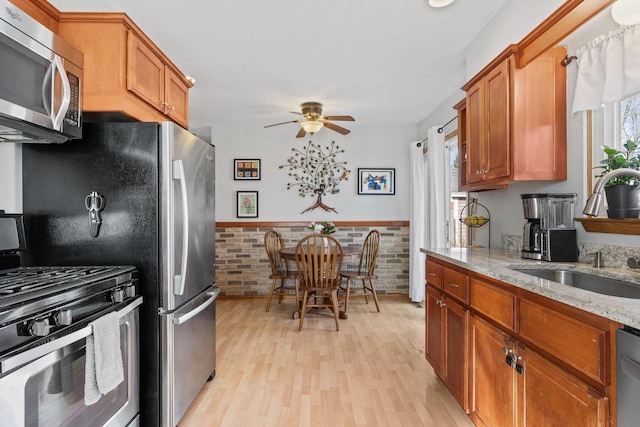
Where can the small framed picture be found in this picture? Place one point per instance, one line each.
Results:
(247, 204)
(377, 181)
(246, 169)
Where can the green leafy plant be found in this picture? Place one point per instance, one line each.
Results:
(616, 159)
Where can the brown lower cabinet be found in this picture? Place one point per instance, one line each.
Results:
(446, 344)
(514, 358)
(514, 386)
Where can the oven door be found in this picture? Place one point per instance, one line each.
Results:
(49, 391)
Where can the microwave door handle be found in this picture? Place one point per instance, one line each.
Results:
(66, 93)
(179, 280)
(47, 84)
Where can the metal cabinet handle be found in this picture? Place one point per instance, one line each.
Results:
(432, 274)
(453, 285)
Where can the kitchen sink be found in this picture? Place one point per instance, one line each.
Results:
(586, 281)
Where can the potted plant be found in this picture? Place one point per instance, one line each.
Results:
(621, 191)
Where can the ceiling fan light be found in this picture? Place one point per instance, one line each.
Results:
(311, 126)
(440, 3)
(626, 12)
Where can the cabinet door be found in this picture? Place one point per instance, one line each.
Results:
(475, 134)
(496, 122)
(455, 348)
(552, 397)
(145, 73)
(492, 381)
(177, 103)
(434, 331)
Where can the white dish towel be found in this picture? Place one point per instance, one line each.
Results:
(103, 369)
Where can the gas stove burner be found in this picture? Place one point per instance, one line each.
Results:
(21, 279)
(26, 291)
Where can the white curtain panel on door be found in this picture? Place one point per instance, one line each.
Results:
(417, 218)
(437, 199)
(608, 69)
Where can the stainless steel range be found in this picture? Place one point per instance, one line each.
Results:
(46, 315)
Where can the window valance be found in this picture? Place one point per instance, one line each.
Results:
(608, 68)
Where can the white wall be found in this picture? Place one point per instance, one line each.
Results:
(364, 148)
(505, 205)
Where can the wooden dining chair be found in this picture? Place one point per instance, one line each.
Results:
(319, 261)
(365, 272)
(281, 275)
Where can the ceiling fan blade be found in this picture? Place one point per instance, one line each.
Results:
(283, 123)
(296, 112)
(336, 128)
(340, 118)
(301, 133)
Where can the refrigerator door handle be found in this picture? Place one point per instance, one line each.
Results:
(179, 280)
(213, 294)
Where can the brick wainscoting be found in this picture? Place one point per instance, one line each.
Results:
(242, 268)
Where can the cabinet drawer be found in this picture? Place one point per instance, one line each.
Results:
(578, 344)
(434, 274)
(495, 303)
(454, 283)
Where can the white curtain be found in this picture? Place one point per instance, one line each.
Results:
(437, 199)
(417, 217)
(608, 69)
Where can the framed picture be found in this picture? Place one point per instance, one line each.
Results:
(246, 169)
(247, 204)
(377, 181)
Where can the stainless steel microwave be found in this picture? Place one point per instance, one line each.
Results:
(40, 81)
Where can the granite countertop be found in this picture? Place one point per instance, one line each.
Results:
(498, 264)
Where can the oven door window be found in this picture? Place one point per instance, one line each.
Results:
(54, 396)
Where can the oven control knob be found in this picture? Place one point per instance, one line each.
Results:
(39, 327)
(130, 291)
(63, 318)
(117, 295)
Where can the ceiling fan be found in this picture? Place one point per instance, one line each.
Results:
(313, 120)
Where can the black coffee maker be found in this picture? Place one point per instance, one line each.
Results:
(532, 233)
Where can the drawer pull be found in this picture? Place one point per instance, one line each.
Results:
(432, 274)
(454, 285)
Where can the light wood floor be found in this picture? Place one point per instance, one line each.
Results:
(370, 373)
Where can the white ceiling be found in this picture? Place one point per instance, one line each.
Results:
(385, 62)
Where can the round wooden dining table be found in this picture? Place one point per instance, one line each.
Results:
(289, 253)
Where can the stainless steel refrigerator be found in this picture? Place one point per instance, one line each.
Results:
(139, 194)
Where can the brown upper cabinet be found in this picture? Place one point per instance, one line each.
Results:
(516, 121)
(124, 72)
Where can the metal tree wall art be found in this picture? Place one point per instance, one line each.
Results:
(316, 171)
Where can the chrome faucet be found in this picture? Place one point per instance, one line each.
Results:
(594, 201)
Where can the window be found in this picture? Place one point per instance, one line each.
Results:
(457, 235)
(613, 125)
